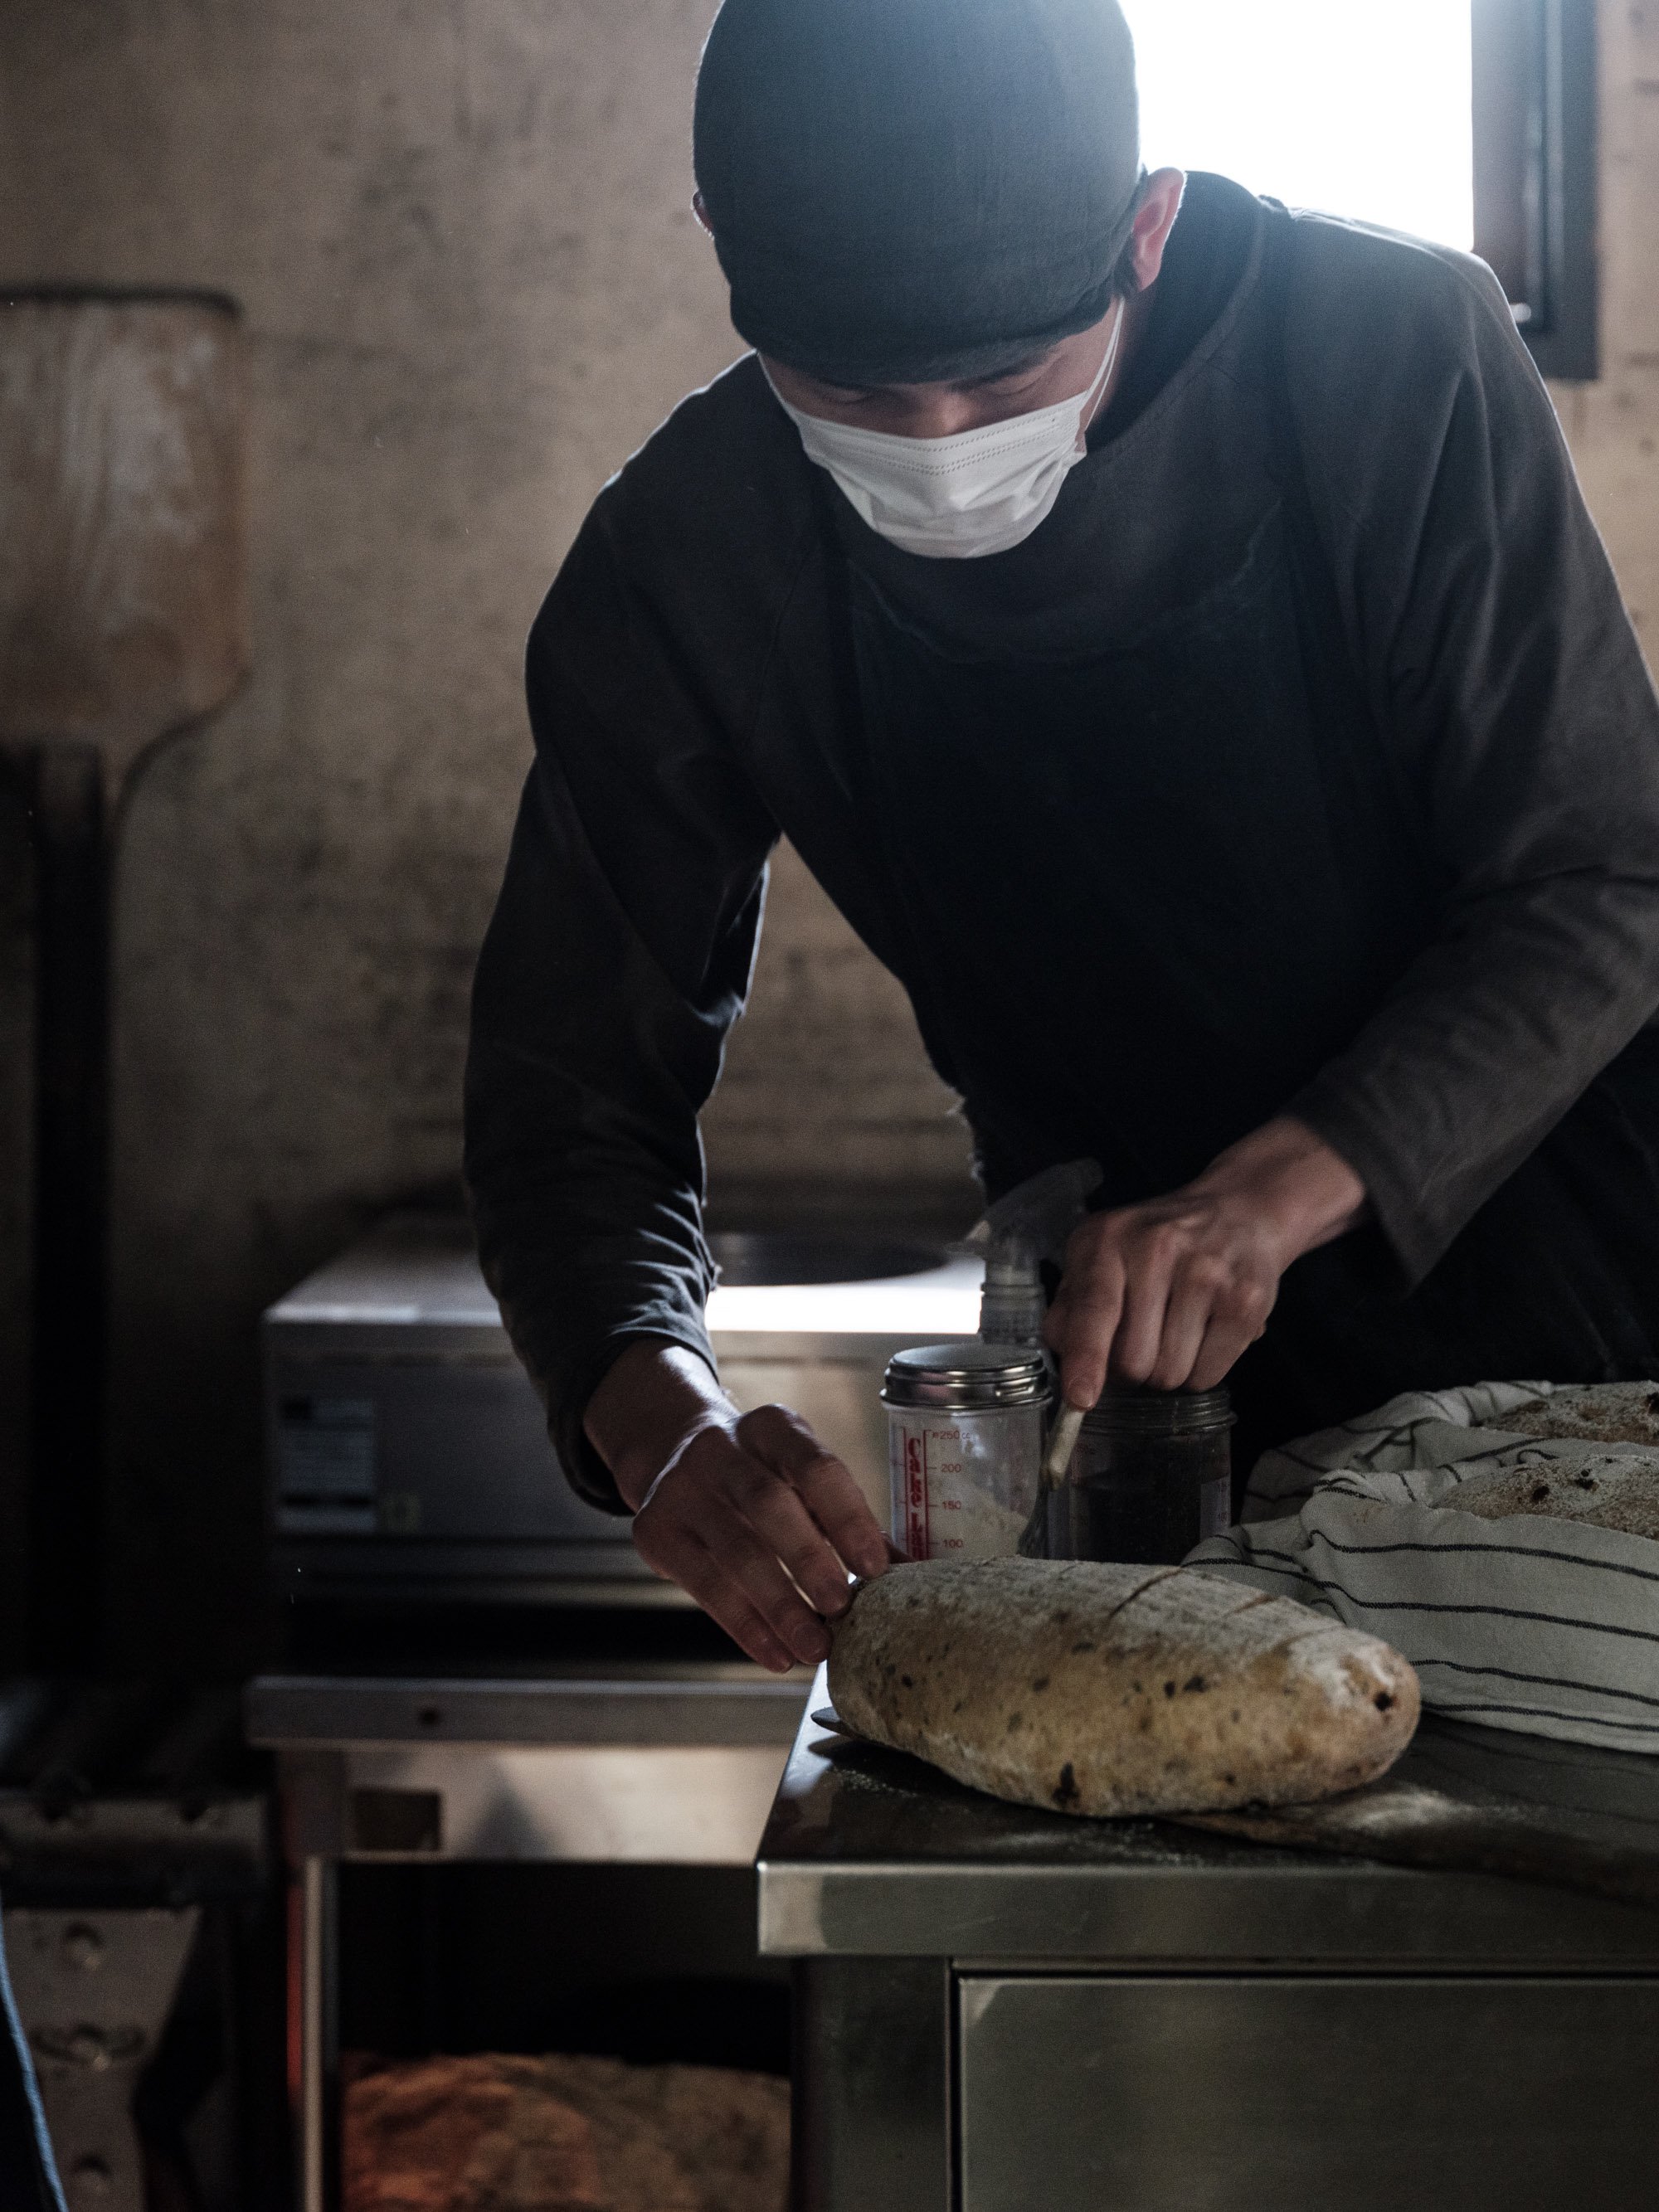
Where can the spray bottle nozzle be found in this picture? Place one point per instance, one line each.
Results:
(1026, 1226)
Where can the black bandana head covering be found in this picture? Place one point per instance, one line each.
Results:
(907, 189)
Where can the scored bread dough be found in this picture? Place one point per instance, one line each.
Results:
(1600, 1412)
(1110, 1689)
(1568, 1478)
(1608, 1490)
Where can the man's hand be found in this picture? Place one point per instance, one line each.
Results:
(1169, 1293)
(748, 1514)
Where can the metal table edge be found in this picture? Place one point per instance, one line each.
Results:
(295, 1712)
(1303, 1914)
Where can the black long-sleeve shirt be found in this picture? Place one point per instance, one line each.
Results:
(689, 702)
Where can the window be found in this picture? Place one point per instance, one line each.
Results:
(1534, 170)
(1361, 110)
(1471, 122)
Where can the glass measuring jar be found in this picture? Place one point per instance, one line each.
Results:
(1150, 1477)
(965, 1426)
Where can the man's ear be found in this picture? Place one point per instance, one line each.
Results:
(701, 211)
(1160, 203)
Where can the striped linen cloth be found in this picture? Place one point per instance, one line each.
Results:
(1545, 1625)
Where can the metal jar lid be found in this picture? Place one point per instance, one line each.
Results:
(966, 1377)
(1126, 1411)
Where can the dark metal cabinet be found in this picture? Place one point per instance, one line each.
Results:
(1199, 2094)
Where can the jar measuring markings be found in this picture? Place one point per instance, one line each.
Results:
(965, 1428)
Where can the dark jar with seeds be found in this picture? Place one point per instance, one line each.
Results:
(1150, 1477)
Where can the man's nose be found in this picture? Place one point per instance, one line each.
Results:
(946, 414)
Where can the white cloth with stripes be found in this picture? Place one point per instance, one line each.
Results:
(1546, 1625)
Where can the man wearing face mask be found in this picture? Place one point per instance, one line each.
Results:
(1170, 630)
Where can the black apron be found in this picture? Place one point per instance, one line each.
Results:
(1132, 869)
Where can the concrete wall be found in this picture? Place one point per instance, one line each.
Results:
(460, 233)
(15, 1075)
(1614, 424)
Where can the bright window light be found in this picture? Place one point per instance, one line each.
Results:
(1358, 110)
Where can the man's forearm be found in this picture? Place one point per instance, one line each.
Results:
(652, 1399)
(1486, 1041)
(1302, 1185)
(586, 1066)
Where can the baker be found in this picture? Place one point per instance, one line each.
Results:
(1170, 630)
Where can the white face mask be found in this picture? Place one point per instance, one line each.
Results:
(976, 492)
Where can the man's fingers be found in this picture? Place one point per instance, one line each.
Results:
(754, 1565)
(842, 1511)
(1149, 1278)
(759, 1524)
(690, 1530)
(1139, 1301)
(725, 1603)
(1198, 1287)
(787, 1532)
(1234, 1325)
(784, 1442)
(680, 1558)
(1084, 1319)
(721, 1562)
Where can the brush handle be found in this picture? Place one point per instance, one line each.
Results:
(1062, 1442)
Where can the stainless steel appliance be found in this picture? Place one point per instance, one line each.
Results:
(407, 1454)
(409, 1460)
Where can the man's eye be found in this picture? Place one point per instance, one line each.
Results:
(1009, 387)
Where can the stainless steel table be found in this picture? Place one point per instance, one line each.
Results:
(999, 2009)
(670, 1763)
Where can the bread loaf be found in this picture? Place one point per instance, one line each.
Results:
(1117, 1689)
(1569, 1479)
(1597, 1412)
(491, 2132)
(1574, 1482)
